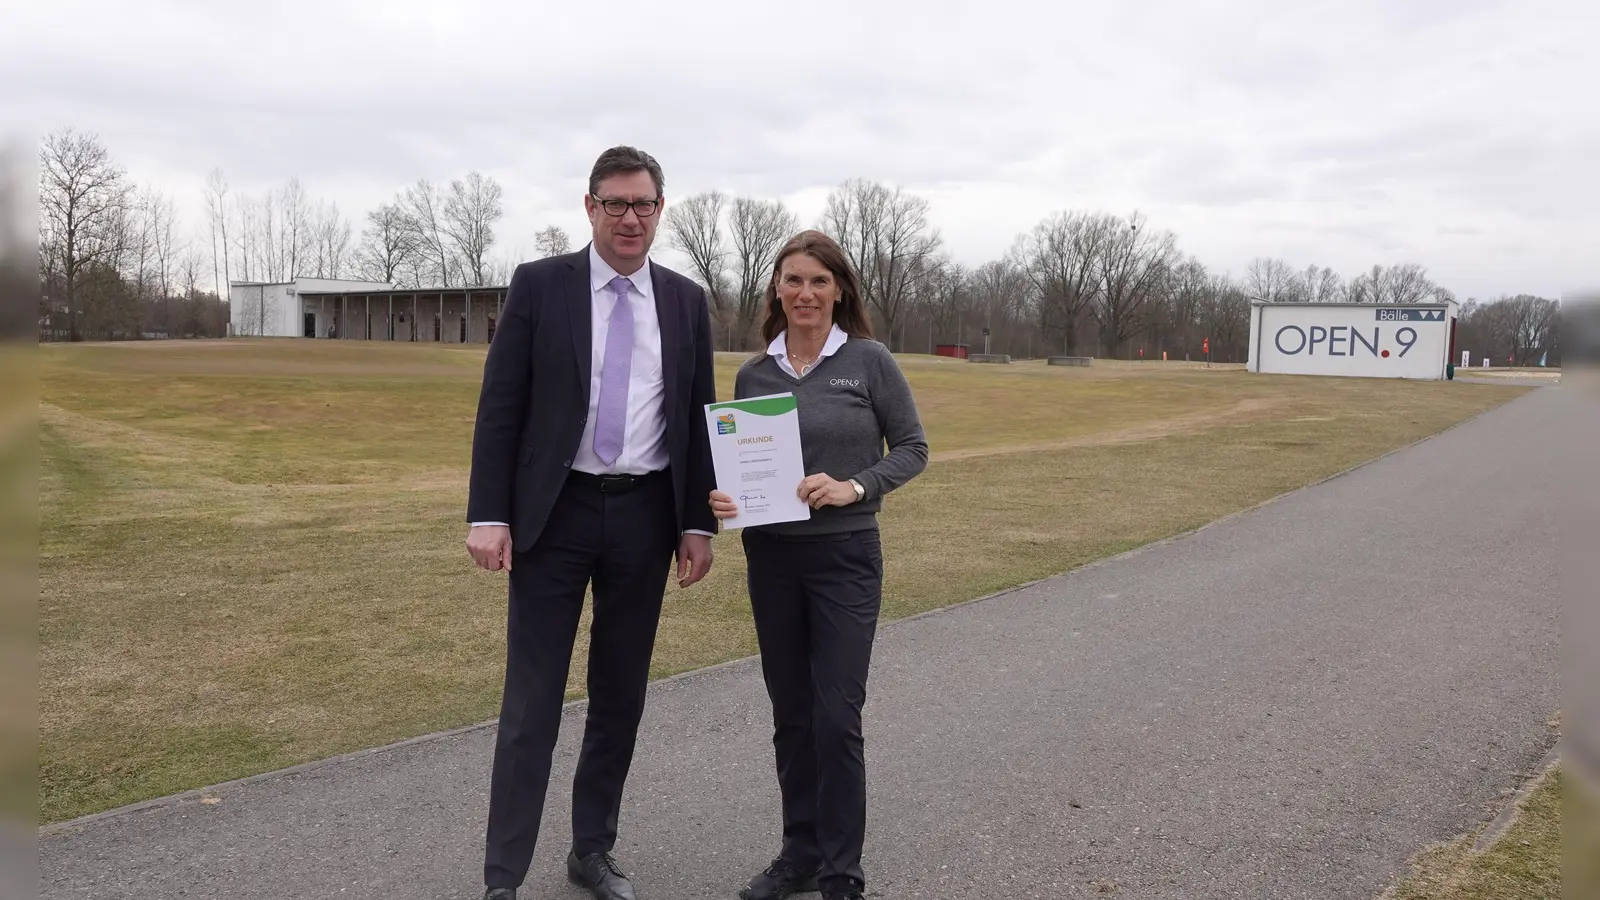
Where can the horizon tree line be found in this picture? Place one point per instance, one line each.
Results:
(114, 265)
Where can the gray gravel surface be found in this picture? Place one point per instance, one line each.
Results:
(1286, 704)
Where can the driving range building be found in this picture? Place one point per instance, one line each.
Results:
(343, 309)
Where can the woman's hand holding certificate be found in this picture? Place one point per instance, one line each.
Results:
(822, 490)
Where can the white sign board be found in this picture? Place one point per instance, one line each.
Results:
(1355, 339)
(1466, 358)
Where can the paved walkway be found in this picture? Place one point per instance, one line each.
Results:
(1285, 704)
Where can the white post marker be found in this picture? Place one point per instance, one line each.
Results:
(1466, 356)
(755, 449)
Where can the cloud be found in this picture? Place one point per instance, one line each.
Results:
(1342, 133)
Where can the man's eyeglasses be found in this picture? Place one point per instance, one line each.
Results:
(641, 208)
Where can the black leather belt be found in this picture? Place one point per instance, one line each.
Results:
(614, 484)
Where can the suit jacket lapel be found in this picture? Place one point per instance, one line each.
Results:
(671, 337)
(580, 313)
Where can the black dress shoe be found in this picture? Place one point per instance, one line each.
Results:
(779, 880)
(500, 894)
(599, 873)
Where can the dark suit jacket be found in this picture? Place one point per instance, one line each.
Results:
(535, 395)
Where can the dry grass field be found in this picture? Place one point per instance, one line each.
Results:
(1523, 863)
(251, 552)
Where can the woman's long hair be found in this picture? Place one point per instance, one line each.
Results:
(849, 313)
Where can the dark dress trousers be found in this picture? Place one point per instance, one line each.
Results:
(569, 529)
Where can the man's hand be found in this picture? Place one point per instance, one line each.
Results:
(490, 546)
(694, 559)
(821, 490)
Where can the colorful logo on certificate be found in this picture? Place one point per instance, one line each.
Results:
(725, 424)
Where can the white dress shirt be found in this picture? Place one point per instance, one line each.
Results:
(780, 348)
(644, 443)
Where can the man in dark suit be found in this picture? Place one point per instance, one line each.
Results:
(590, 463)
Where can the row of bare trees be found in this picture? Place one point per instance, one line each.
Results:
(112, 259)
(1275, 281)
(1523, 330)
(730, 246)
(116, 263)
(276, 236)
(1077, 282)
(429, 235)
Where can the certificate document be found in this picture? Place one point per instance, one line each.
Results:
(755, 448)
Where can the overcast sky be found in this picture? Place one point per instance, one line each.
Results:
(1460, 134)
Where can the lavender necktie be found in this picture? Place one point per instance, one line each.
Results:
(611, 418)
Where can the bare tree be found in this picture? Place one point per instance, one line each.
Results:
(1061, 258)
(1135, 264)
(474, 205)
(164, 227)
(999, 292)
(1508, 330)
(944, 294)
(151, 252)
(188, 266)
(1365, 287)
(148, 258)
(1226, 316)
(330, 242)
(1270, 280)
(1182, 319)
(1407, 283)
(733, 263)
(244, 236)
(388, 250)
(552, 241)
(216, 193)
(294, 231)
(1320, 285)
(254, 236)
(888, 238)
(188, 321)
(424, 210)
(1533, 324)
(759, 229)
(1485, 329)
(84, 200)
(279, 235)
(140, 254)
(694, 228)
(262, 258)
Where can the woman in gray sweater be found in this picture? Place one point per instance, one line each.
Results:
(816, 586)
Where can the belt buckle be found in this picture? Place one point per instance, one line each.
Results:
(609, 483)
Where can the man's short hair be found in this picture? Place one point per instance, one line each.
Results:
(621, 160)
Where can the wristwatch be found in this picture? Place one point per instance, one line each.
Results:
(861, 492)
